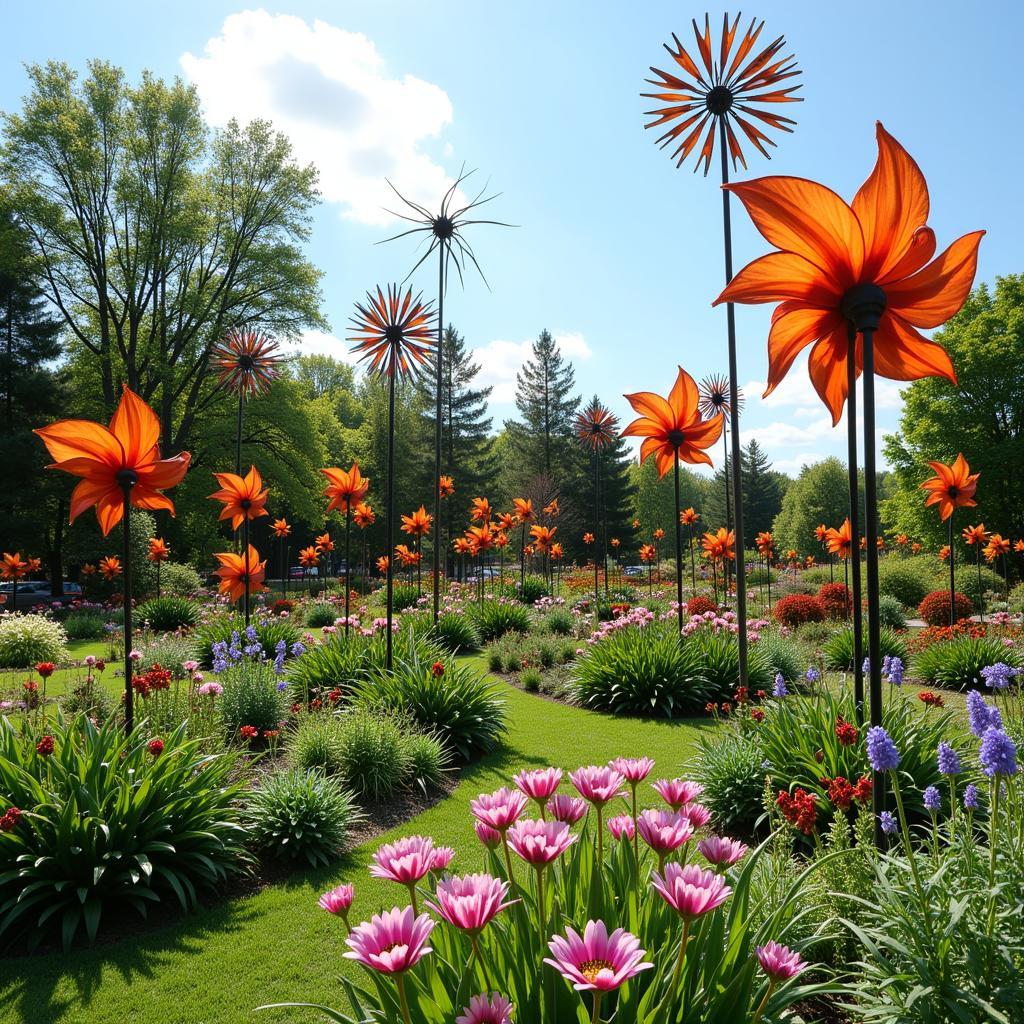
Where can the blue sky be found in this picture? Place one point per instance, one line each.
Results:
(617, 253)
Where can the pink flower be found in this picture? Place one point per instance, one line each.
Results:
(622, 826)
(500, 809)
(490, 837)
(597, 784)
(689, 891)
(780, 963)
(664, 831)
(338, 900)
(698, 814)
(469, 902)
(539, 784)
(723, 853)
(391, 942)
(596, 961)
(633, 769)
(210, 690)
(567, 808)
(481, 1010)
(540, 842)
(406, 861)
(677, 792)
(441, 858)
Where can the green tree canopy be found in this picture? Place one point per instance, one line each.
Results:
(820, 494)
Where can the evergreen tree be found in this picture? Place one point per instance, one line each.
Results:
(762, 493)
(820, 494)
(546, 405)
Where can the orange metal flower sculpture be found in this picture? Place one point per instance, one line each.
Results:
(282, 531)
(418, 525)
(246, 362)
(445, 486)
(345, 488)
(722, 94)
(596, 427)
(840, 541)
(363, 515)
(383, 564)
(480, 511)
(243, 498)
(952, 487)
(13, 567)
(309, 558)
(282, 528)
(110, 566)
(158, 552)
(240, 575)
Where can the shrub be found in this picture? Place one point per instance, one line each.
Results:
(111, 826)
(530, 680)
(699, 605)
(91, 700)
(838, 648)
(967, 581)
(427, 760)
(559, 622)
(454, 702)
(796, 609)
(268, 632)
(250, 697)
(906, 579)
(455, 632)
(318, 744)
(26, 640)
(641, 671)
(319, 615)
(957, 663)
(493, 619)
(835, 599)
(1016, 602)
(816, 577)
(179, 580)
(890, 612)
(533, 589)
(168, 614)
(758, 576)
(282, 604)
(781, 655)
(300, 815)
(404, 595)
(170, 651)
(85, 624)
(719, 656)
(375, 754)
(495, 659)
(546, 655)
(730, 767)
(934, 608)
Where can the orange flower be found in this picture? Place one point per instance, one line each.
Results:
(648, 553)
(915, 547)
(405, 556)
(840, 542)
(879, 543)
(719, 545)
(557, 551)
(158, 550)
(418, 524)
(997, 545)
(110, 567)
(104, 457)
(501, 539)
(324, 543)
(506, 520)
(542, 537)
(382, 564)
(34, 564)
(615, 542)
(281, 528)
(395, 334)
(596, 427)
(480, 511)
(975, 534)
(309, 557)
(242, 498)
(246, 362)
(552, 509)
(481, 537)
(952, 487)
(826, 248)
(446, 485)
(944, 553)
(791, 554)
(588, 538)
(820, 532)
(238, 572)
(673, 428)
(346, 488)
(1018, 546)
(902, 540)
(523, 510)
(659, 534)
(463, 546)
(729, 89)
(363, 515)
(13, 567)
(765, 543)
(688, 517)
(88, 569)
(636, 524)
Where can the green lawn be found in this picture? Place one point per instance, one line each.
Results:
(215, 966)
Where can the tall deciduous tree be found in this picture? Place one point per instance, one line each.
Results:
(762, 492)
(154, 235)
(820, 494)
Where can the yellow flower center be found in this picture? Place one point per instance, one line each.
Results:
(590, 969)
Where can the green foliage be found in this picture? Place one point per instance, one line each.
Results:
(457, 705)
(319, 615)
(318, 743)
(956, 664)
(530, 680)
(559, 621)
(375, 753)
(496, 618)
(890, 612)
(456, 632)
(533, 589)
(28, 639)
(907, 579)
(991, 583)
(168, 614)
(427, 760)
(719, 657)
(818, 576)
(730, 768)
(779, 654)
(179, 580)
(642, 671)
(820, 494)
(250, 697)
(838, 648)
(85, 624)
(269, 632)
(106, 824)
(170, 651)
(403, 595)
(300, 815)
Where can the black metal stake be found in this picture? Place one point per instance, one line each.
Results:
(348, 561)
(238, 434)
(679, 547)
(597, 527)
(854, 558)
(127, 480)
(952, 585)
(245, 561)
(437, 429)
(390, 528)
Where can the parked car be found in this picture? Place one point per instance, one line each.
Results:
(298, 572)
(36, 592)
(634, 570)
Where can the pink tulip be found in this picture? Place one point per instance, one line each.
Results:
(540, 842)
(469, 902)
(689, 891)
(500, 809)
(338, 900)
(490, 837)
(391, 942)
(567, 808)
(481, 1010)
(664, 831)
(405, 862)
(633, 769)
(677, 792)
(723, 853)
(780, 963)
(698, 814)
(441, 858)
(539, 784)
(597, 961)
(597, 784)
(622, 826)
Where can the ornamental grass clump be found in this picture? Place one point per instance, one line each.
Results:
(960, 663)
(558, 926)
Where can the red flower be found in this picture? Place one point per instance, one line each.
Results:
(757, 714)
(45, 746)
(10, 819)
(45, 669)
(156, 747)
(334, 696)
(248, 732)
(932, 700)
(846, 732)
(799, 808)
(437, 670)
(862, 790)
(296, 708)
(741, 695)
(840, 792)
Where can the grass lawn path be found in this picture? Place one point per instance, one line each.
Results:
(215, 966)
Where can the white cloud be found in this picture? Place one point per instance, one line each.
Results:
(501, 360)
(330, 92)
(319, 343)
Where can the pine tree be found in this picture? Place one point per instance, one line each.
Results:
(546, 404)
(762, 493)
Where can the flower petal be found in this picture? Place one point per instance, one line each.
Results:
(73, 439)
(135, 425)
(901, 353)
(683, 398)
(781, 275)
(827, 368)
(794, 327)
